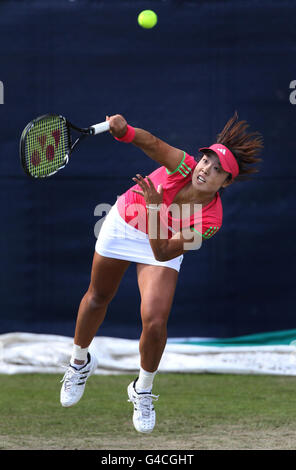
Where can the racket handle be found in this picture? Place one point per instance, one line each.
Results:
(101, 127)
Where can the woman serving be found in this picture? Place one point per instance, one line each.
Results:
(164, 215)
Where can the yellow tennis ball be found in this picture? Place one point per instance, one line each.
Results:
(147, 19)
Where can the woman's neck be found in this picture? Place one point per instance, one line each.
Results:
(189, 195)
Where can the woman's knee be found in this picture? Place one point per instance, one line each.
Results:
(98, 298)
(154, 318)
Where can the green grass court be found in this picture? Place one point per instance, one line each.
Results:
(193, 412)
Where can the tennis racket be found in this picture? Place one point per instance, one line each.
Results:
(47, 142)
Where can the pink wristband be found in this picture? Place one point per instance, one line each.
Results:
(128, 136)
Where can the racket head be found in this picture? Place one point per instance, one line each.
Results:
(45, 145)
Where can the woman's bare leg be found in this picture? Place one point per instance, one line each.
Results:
(157, 286)
(106, 275)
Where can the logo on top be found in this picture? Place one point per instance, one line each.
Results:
(222, 151)
(49, 150)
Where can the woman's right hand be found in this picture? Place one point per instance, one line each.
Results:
(118, 125)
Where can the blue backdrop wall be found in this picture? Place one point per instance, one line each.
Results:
(181, 81)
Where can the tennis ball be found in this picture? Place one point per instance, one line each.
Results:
(147, 19)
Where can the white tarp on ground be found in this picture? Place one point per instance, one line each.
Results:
(38, 353)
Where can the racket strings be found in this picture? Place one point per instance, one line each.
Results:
(46, 146)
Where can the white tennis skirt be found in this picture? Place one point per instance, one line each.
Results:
(117, 239)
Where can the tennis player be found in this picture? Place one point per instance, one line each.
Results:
(141, 228)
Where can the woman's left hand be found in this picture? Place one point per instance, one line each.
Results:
(149, 192)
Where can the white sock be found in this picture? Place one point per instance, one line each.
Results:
(145, 381)
(80, 354)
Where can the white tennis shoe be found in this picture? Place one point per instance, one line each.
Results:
(74, 381)
(144, 413)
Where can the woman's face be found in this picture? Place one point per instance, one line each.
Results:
(208, 176)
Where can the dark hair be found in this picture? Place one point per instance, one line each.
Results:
(244, 145)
